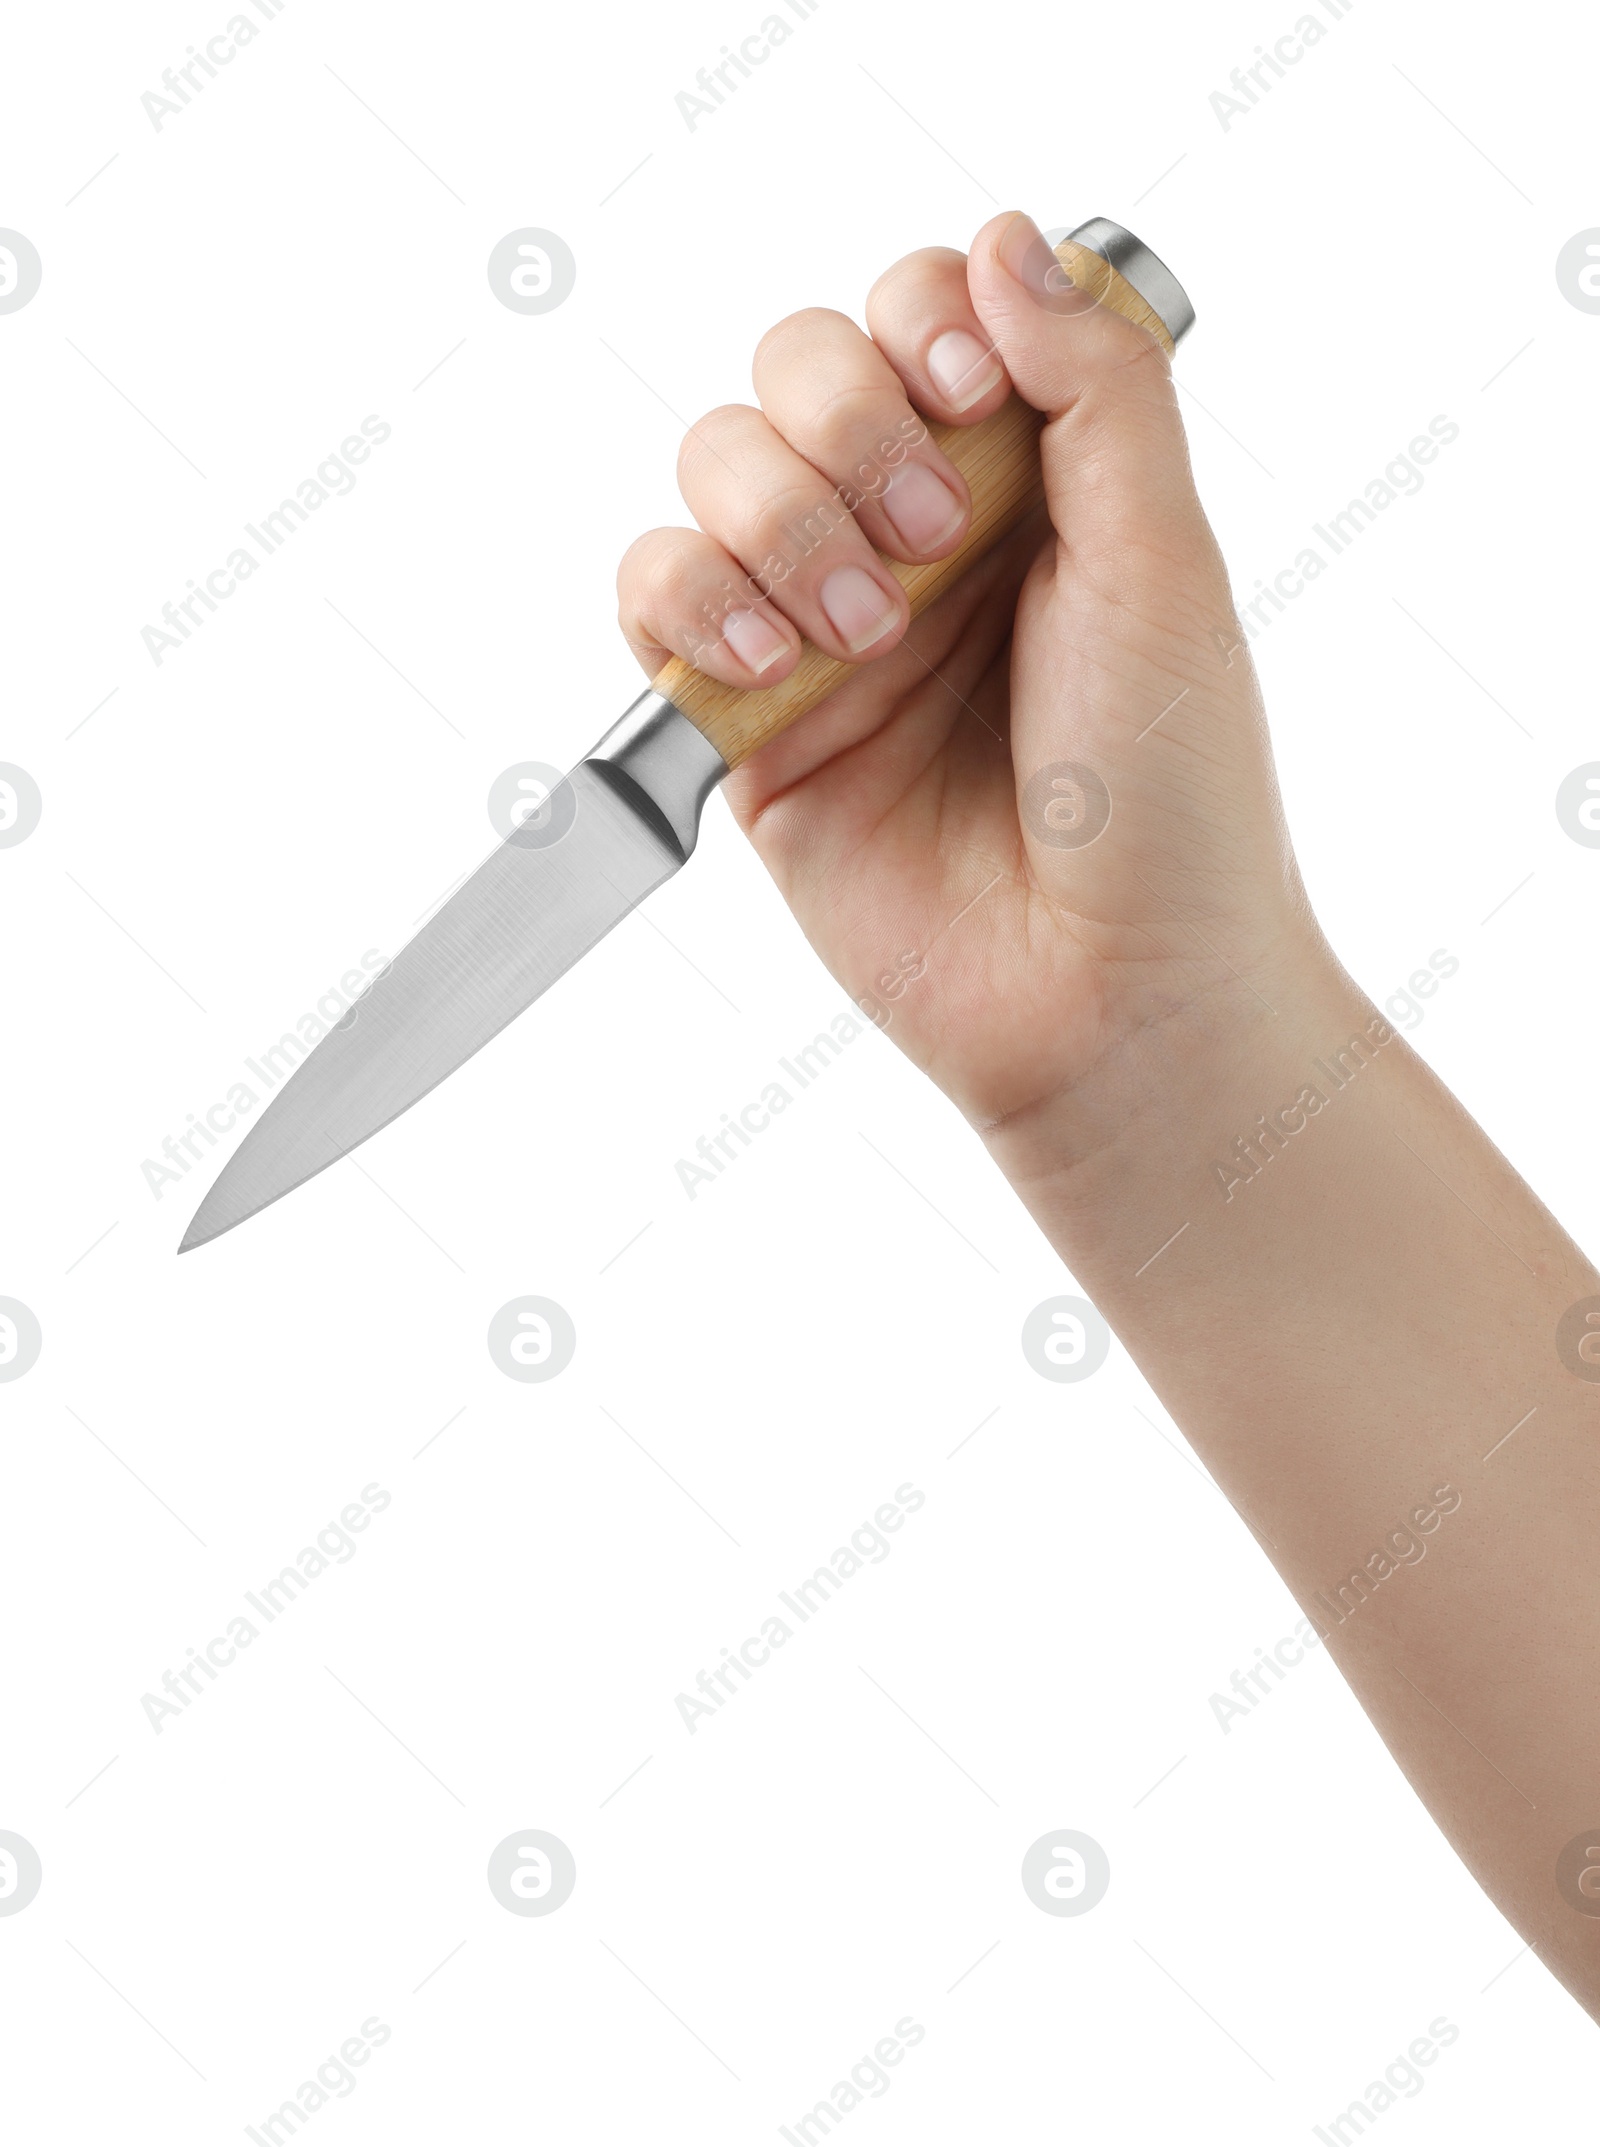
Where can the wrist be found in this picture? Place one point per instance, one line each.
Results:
(1185, 1102)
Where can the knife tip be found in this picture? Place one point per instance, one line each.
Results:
(202, 1229)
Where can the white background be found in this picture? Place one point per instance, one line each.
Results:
(231, 830)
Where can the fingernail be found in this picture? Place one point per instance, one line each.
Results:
(1024, 255)
(753, 639)
(922, 508)
(857, 609)
(961, 368)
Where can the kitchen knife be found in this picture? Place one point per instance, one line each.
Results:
(622, 822)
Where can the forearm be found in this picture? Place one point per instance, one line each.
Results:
(1348, 1315)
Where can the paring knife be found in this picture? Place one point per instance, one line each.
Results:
(622, 822)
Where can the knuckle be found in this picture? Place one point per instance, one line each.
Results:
(849, 420)
(719, 429)
(634, 564)
(927, 265)
(794, 521)
(796, 333)
(659, 574)
(677, 572)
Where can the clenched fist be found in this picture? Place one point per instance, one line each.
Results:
(1054, 788)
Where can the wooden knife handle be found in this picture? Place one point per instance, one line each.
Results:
(999, 459)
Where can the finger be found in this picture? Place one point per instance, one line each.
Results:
(782, 520)
(922, 318)
(1116, 462)
(947, 679)
(834, 396)
(680, 594)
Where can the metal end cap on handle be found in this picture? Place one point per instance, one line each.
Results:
(1147, 272)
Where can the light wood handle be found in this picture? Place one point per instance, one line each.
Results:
(999, 460)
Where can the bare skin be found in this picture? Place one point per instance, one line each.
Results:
(1356, 1321)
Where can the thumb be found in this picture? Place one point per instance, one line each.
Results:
(1116, 463)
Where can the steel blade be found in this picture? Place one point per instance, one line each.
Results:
(610, 833)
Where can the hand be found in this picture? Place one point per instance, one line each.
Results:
(1120, 1018)
(1300, 1289)
(897, 817)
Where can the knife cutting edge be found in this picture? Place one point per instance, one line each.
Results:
(621, 823)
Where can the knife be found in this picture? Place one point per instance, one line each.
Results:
(623, 821)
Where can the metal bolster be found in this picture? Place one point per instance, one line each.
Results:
(657, 756)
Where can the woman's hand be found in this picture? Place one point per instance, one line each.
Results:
(1343, 1293)
(932, 810)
